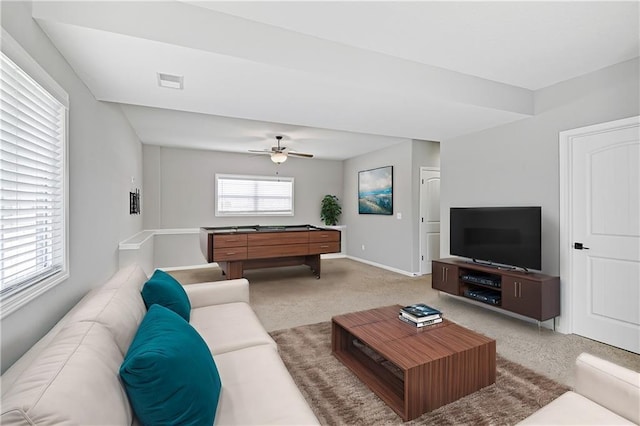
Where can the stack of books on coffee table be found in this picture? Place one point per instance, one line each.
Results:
(420, 315)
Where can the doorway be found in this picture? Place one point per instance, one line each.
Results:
(600, 232)
(429, 217)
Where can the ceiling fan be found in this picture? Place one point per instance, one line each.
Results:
(279, 153)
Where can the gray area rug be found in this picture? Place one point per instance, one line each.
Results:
(337, 397)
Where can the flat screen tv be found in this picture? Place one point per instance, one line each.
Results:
(498, 235)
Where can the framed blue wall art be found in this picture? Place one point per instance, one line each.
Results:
(375, 191)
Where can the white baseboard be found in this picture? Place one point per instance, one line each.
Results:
(180, 268)
(324, 256)
(333, 256)
(388, 268)
(215, 265)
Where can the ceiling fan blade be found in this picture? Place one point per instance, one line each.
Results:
(299, 154)
(279, 149)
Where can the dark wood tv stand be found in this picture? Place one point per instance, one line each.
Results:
(530, 294)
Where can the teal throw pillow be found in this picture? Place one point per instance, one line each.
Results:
(164, 290)
(169, 373)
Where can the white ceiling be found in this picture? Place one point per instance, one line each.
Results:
(194, 130)
(337, 79)
(526, 44)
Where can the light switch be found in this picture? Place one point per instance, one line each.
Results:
(398, 215)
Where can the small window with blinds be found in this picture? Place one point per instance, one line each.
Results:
(32, 187)
(253, 195)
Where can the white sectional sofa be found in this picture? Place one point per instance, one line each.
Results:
(71, 375)
(604, 394)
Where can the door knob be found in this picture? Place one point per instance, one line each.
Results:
(579, 246)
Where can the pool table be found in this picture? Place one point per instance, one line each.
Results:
(238, 248)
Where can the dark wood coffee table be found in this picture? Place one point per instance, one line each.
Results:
(414, 370)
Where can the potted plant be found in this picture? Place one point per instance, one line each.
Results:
(330, 210)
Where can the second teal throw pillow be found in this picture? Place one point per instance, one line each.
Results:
(169, 373)
(164, 290)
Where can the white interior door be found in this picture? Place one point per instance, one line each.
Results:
(605, 210)
(429, 218)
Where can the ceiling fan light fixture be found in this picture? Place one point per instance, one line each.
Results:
(278, 157)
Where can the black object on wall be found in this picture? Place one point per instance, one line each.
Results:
(134, 202)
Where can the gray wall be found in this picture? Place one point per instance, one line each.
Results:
(518, 163)
(104, 153)
(388, 240)
(180, 186)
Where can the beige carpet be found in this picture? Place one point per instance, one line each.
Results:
(338, 397)
(291, 296)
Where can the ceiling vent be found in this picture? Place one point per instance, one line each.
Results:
(170, 81)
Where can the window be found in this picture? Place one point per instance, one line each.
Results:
(33, 181)
(254, 196)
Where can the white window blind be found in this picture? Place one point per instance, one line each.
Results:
(253, 195)
(32, 182)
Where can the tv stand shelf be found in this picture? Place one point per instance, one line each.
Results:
(529, 294)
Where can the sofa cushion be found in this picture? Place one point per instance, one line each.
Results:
(74, 380)
(169, 373)
(164, 290)
(258, 390)
(609, 385)
(15, 371)
(574, 409)
(121, 318)
(229, 326)
(117, 305)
